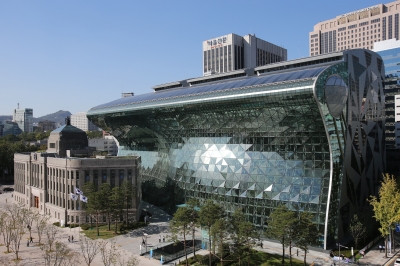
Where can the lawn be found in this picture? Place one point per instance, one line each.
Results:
(91, 232)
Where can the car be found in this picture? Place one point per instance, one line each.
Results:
(397, 262)
(8, 189)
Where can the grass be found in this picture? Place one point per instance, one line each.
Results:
(91, 232)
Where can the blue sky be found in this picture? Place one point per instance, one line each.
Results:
(74, 55)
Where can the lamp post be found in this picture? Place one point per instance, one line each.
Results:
(339, 250)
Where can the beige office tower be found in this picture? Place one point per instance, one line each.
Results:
(357, 29)
(232, 52)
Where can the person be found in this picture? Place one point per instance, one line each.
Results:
(72, 238)
(297, 252)
(331, 254)
(261, 244)
(362, 253)
(163, 238)
(31, 240)
(69, 239)
(159, 239)
(27, 243)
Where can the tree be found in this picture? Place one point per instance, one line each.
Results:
(94, 134)
(117, 202)
(108, 208)
(242, 233)
(220, 236)
(124, 260)
(209, 213)
(51, 232)
(387, 206)
(357, 229)
(180, 224)
(95, 205)
(59, 255)
(193, 212)
(89, 248)
(41, 223)
(307, 233)
(16, 229)
(109, 256)
(6, 226)
(128, 192)
(280, 226)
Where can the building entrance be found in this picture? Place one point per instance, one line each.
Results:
(36, 202)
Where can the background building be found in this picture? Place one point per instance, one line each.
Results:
(357, 29)
(46, 125)
(232, 52)
(80, 121)
(45, 180)
(291, 133)
(24, 119)
(9, 128)
(107, 144)
(389, 50)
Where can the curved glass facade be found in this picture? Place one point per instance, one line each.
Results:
(253, 144)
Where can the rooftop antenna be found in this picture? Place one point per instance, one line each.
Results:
(18, 105)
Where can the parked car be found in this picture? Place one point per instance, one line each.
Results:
(8, 189)
(397, 262)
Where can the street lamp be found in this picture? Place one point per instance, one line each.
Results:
(339, 250)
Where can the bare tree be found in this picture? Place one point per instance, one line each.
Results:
(60, 255)
(14, 227)
(108, 255)
(28, 216)
(17, 232)
(6, 228)
(51, 231)
(124, 261)
(40, 223)
(89, 248)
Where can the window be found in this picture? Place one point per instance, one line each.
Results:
(52, 145)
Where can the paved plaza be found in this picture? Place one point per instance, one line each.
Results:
(130, 243)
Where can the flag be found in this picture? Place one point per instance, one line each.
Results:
(83, 198)
(78, 191)
(73, 196)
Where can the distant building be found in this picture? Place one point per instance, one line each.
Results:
(107, 144)
(47, 180)
(9, 128)
(389, 50)
(24, 119)
(46, 125)
(80, 121)
(232, 52)
(356, 29)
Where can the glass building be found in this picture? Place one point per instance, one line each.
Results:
(307, 133)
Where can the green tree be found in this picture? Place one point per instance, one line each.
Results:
(128, 192)
(94, 134)
(357, 229)
(107, 204)
(95, 205)
(209, 213)
(193, 206)
(180, 225)
(243, 234)
(387, 206)
(307, 233)
(116, 200)
(280, 226)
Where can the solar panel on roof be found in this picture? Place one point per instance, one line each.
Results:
(204, 88)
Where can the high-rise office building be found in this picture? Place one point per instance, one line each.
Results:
(357, 29)
(389, 50)
(24, 119)
(80, 121)
(232, 52)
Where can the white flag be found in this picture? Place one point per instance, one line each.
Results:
(78, 191)
(83, 198)
(73, 196)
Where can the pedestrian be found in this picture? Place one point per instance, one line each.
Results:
(261, 244)
(297, 252)
(163, 238)
(159, 239)
(27, 243)
(69, 239)
(140, 247)
(31, 240)
(72, 238)
(362, 253)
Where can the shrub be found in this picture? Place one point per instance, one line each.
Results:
(57, 224)
(85, 226)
